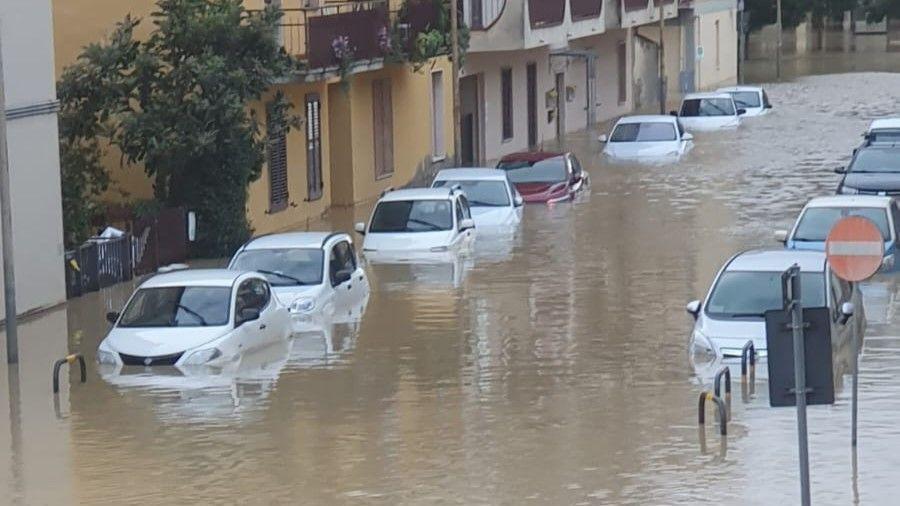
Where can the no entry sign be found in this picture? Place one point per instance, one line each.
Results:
(855, 248)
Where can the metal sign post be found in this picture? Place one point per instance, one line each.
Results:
(790, 282)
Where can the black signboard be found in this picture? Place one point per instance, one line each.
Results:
(780, 349)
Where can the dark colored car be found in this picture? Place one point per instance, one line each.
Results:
(874, 170)
(542, 176)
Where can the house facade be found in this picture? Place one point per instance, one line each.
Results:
(26, 28)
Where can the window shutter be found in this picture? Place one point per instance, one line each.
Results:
(276, 151)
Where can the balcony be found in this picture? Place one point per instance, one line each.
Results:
(642, 12)
(508, 25)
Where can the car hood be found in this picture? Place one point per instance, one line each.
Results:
(542, 192)
(155, 342)
(873, 181)
(288, 294)
(407, 241)
(642, 149)
(730, 336)
(495, 216)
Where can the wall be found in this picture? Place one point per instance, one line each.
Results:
(708, 75)
(673, 49)
(33, 154)
(608, 74)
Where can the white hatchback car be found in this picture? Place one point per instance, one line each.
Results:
(751, 99)
(493, 200)
(709, 111)
(314, 273)
(415, 221)
(195, 317)
(647, 138)
(883, 130)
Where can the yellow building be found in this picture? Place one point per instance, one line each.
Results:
(377, 126)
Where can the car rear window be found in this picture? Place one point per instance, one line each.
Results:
(746, 99)
(708, 107)
(816, 222)
(551, 170)
(479, 192)
(644, 132)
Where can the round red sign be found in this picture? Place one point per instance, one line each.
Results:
(855, 248)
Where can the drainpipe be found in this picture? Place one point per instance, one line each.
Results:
(454, 41)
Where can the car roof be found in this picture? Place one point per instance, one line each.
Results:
(777, 260)
(471, 174)
(290, 240)
(531, 156)
(850, 201)
(194, 277)
(884, 123)
(647, 118)
(729, 89)
(697, 96)
(417, 194)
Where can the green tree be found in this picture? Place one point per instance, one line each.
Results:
(877, 10)
(179, 106)
(763, 12)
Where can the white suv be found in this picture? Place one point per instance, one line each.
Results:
(427, 220)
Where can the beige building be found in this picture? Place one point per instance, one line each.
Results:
(33, 154)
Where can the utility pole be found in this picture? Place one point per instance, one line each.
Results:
(662, 58)
(9, 273)
(454, 41)
(778, 44)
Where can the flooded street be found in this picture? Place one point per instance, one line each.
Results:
(549, 367)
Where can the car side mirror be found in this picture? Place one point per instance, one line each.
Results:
(603, 138)
(847, 310)
(673, 113)
(467, 224)
(360, 228)
(741, 112)
(687, 136)
(518, 200)
(781, 236)
(112, 317)
(248, 314)
(693, 308)
(768, 106)
(342, 276)
(840, 170)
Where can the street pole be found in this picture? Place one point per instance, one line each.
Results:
(855, 406)
(9, 274)
(662, 59)
(800, 380)
(778, 48)
(740, 48)
(454, 41)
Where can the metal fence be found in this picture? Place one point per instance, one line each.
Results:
(97, 264)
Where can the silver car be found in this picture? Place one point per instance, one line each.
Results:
(749, 284)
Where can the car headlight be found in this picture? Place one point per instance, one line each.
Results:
(848, 190)
(701, 348)
(107, 358)
(303, 305)
(203, 356)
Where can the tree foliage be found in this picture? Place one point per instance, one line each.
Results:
(177, 103)
(877, 10)
(763, 12)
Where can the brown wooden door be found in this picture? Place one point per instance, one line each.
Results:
(383, 127)
(531, 77)
(314, 183)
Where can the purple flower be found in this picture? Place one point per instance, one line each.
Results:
(384, 40)
(342, 48)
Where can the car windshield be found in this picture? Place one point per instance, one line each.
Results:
(708, 107)
(643, 132)
(816, 222)
(178, 306)
(480, 193)
(283, 267)
(412, 216)
(551, 170)
(876, 160)
(746, 99)
(746, 294)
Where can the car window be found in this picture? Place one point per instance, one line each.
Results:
(283, 266)
(459, 215)
(464, 205)
(412, 216)
(765, 96)
(708, 107)
(746, 99)
(680, 129)
(895, 211)
(551, 170)
(341, 258)
(816, 222)
(576, 166)
(644, 132)
(178, 306)
(749, 294)
(480, 193)
(252, 294)
(876, 160)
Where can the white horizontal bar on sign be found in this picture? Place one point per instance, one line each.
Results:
(856, 248)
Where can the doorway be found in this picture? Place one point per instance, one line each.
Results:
(531, 77)
(470, 121)
(560, 106)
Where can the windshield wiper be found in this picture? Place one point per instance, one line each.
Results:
(481, 203)
(747, 315)
(193, 313)
(281, 275)
(426, 223)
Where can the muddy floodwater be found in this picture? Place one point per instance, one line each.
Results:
(549, 367)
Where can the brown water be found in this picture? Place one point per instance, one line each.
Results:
(549, 368)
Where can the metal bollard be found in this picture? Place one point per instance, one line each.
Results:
(726, 372)
(701, 411)
(68, 360)
(748, 354)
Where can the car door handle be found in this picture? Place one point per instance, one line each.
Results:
(262, 327)
(349, 287)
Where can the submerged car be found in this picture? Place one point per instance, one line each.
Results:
(195, 317)
(542, 176)
(314, 273)
(821, 213)
(647, 138)
(752, 99)
(873, 170)
(413, 221)
(709, 111)
(493, 200)
(749, 284)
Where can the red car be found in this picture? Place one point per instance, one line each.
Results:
(542, 176)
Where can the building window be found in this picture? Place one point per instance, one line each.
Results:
(506, 102)
(383, 127)
(717, 44)
(314, 183)
(276, 154)
(622, 57)
(437, 114)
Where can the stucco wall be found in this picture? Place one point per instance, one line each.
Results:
(606, 46)
(709, 75)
